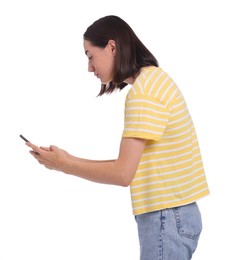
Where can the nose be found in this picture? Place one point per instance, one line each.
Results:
(90, 68)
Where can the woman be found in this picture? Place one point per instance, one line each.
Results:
(159, 155)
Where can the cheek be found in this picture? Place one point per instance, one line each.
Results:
(110, 71)
(105, 67)
(110, 66)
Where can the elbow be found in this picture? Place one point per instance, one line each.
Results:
(124, 174)
(124, 184)
(126, 179)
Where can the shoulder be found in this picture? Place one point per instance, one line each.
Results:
(154, 82)
(148, 79)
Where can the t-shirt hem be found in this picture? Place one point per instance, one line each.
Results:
(169, 205)
(142, 136)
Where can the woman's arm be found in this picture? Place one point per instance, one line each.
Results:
(118, 172)
(89, 161)
(76, 158)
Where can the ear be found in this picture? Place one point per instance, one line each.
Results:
(112, 46)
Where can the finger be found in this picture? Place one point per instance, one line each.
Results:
(35, 154)
(45, 148)
(35, 148)
(30, 144)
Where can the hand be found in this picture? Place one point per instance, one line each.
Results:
(51, 157)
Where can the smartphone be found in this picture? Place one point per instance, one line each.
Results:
(26, 140)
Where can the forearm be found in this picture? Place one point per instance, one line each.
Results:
(117, 172)
(106, 172)
(89, 161)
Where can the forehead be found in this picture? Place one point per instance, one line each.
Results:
(86, 43)
(88, 46)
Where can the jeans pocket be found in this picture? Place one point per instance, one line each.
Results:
(188, 220)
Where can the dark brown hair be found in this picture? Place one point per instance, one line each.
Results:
(131, 53)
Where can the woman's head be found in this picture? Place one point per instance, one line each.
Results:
(115, 53)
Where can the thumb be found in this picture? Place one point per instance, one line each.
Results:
(52, 148)
(47, 149)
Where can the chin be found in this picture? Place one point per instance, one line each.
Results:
(106, 82)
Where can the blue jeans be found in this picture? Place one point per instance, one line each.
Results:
(169, 234)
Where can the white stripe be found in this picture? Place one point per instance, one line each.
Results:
(198, 162)
(191, 159)
(160, 87)
(194, 141)
(163, 166)
(178, 127)
(147, 116)
(142, 130)
(172, 96)
(178, 120)
(133, 90)
(167, 144)
(176, 135)
(168, 180)
(134, 194)
(179, 96)
(168, 158)
(197, 155)
(139, 86)
(144, 123)
(147, 109)
(147, 101)
(169, 150)
(155, 81)
(162, 174)
(150, 77)
(196, 148)
(179, 112)
(179, 104)
(167, 90)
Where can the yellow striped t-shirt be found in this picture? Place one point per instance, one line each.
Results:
(170, 172)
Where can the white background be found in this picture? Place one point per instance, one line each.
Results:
(47, 95)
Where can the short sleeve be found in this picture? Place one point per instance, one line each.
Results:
(145, 117)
